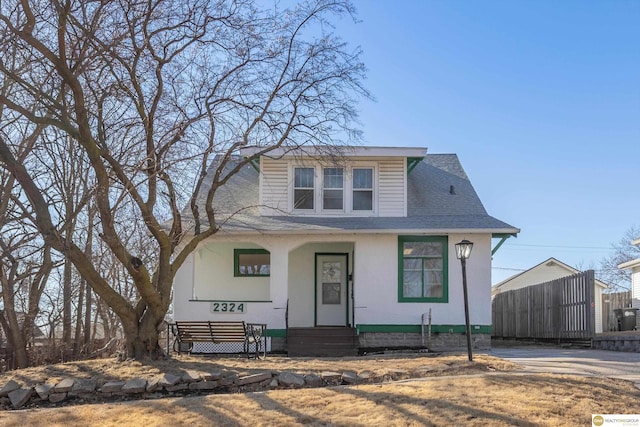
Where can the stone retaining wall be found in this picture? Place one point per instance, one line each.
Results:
(14, 395)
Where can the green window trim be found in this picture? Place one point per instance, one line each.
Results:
(237, 253)
(444, 242)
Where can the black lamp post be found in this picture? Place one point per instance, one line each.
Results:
(463, 250)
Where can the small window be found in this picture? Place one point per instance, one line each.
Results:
(332, 196)
(363, 189)
(303, 185)
(251, 262)
(422, 266)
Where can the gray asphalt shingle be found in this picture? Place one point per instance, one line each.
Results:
(431, 205)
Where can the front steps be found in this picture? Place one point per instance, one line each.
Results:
(322, 341)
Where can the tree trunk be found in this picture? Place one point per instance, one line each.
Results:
(87, 320)
(66, 304)
(78, 331)
(142, 338)
(17, 356)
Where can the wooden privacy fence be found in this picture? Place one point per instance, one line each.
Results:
(560, 309)
(611, 302)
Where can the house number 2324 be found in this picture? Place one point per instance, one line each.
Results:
(227, 307)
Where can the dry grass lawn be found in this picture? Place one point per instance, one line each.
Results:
(482, 393)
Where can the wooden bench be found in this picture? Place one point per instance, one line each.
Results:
(187, 333)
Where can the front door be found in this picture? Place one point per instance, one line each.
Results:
(331, 290)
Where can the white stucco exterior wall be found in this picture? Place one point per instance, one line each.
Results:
(376, 289)
(374, 264)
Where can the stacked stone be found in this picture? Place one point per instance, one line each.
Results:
(15, 395)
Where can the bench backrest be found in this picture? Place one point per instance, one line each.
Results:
(228, 331)
(211, 331)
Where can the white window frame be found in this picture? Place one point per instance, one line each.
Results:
(294, 188)
(353, 190)
(347, 189)
(343, 189)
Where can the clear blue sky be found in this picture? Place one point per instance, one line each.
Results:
(539, 99)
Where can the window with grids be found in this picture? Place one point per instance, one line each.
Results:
(333, 188)
(303, 188)
(422, 269)
(362, 189)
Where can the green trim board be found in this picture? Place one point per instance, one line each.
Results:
(228, 300)
(503, 238)
(276, 333)
(255, 163)
(416, 329)
(444, 245)
(412, 162)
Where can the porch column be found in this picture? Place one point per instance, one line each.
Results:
(279, 286)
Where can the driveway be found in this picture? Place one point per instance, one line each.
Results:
(612, 364)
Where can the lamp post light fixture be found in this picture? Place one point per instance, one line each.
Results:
(463, 251)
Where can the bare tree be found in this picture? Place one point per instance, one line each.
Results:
(622, 251)
(150, 92)
(25, 265)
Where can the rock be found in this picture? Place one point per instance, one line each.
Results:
(290, 379)
(255, 378)
(81, 387)
(136, 385)
(57, 397)
(168, 380)
(203, 385)
(365, 376)
(8, 388)
(212, 376)
(177, 387)
(313, 380)
(65, 385)
(191, 377)
(112, 387)
(349, 377)
(274, 383)
(44, 390)
(20, 396)
(153, 384)
(331, 377)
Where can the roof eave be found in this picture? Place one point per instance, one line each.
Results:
(375, 231)
(629, 264)
(348, 151)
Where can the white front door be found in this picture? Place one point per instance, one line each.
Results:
(331, 290)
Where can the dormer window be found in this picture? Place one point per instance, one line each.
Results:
(362, 189)
(303, 188)
(333, 189)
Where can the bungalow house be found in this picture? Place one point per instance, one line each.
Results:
(634, 266)
(547, 271)
(362, 242)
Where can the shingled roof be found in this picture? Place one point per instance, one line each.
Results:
(431, 206)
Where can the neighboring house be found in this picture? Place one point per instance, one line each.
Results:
(634, 266)
(546, 271)
(364, 240)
